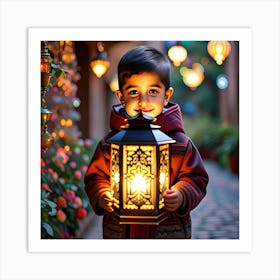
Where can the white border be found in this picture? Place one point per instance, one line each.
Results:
(243, 35)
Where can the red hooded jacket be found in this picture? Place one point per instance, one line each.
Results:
(188, 175)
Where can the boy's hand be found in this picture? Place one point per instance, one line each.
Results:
(106, 201)
(172, 200)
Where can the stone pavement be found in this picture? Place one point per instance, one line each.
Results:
(216, 217)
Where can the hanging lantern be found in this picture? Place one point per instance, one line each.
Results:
(67, 55)
(100, 64)
(219, 50)
(140, 163)
(46, 138)
(193, 77)
(45, 65)
(45, 114)
(177, 54)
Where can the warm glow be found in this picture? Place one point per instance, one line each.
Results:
(67, 148)
(177, 54)
(69, 123)
(99, 67)
(219, 50)
(138, 184)
(114, 84)
(117, 177)
(45, 67)
(139, 172)
(63, 122)
(193, 77)
(45, 114)
(61, 133)
(162, 178)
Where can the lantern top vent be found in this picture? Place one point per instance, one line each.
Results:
(140, 130)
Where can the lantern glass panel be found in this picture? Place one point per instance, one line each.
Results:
(115, 174)
(163, 172)
(139, 169)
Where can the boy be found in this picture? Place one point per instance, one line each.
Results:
(144, 85)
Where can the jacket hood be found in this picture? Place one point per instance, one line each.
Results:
(170, 120)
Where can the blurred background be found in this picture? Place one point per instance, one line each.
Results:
(78, 81)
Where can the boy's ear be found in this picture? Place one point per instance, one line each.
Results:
(119, 95)
(168, 95)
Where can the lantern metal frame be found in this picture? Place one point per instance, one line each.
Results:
(140, 171)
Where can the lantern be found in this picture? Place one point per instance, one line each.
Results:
(140, 163)
(46, 138)
(45, 65)
(219, 50)
(177, 54)
(100, 64)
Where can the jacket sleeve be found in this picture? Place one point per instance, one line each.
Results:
(188, 175)
(97, 178)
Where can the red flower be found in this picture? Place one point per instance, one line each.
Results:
(60, 215)
(78, 174)
(81, 213)
(70, 195)
(65, 235)
(61, 202)
(61, 155)
(78, 201)
(42, 163)
(46, 188)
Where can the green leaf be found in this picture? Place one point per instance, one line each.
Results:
(61, 181)
(52, 212)
(51, 203)
(48, 229)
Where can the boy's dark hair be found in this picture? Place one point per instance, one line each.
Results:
(144, 59)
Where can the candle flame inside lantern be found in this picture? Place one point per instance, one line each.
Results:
(139, 184)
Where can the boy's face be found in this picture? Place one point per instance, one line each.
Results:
(144, 92)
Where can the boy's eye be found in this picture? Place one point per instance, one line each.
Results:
(153, 91)
(133, 92)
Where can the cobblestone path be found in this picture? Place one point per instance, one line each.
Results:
(217, 216)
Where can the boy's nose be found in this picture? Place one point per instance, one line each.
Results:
(142, 99)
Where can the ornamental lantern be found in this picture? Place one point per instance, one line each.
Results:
(100, 64)
(46, 138)
(45, 65)
(177, 54)
(219, 50)
(139, 171)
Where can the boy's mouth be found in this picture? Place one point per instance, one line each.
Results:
(145, 111)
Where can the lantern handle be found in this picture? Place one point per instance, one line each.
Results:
(140, 120)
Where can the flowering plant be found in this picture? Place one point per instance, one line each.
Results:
(63, 165)
(63, 200)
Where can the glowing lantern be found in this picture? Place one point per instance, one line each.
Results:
(193, 77)
(219, 50)
(140, 163)
(68, 55)
(45, 65)
(177, 54)
(46, 138)
(100, 64)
